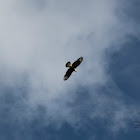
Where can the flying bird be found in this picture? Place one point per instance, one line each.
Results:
(72, 67)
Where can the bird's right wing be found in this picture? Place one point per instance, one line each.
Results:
(68, 73)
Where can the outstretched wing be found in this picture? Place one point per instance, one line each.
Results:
(68, 73)
(77, 63)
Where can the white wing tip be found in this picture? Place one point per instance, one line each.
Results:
(81, 59)
(65, 78)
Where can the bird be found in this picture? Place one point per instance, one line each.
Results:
(72, 67)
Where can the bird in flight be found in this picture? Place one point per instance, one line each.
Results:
(72, 67)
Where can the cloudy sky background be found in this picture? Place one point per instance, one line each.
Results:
(37, 38)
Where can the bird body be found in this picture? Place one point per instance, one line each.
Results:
(72, 67)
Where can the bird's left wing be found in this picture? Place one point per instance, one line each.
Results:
(78, 62)
(68, 73)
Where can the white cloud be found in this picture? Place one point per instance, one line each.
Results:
(38, 37)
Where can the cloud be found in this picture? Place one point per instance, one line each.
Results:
(39, 37)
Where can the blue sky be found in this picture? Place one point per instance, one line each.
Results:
(100, 101)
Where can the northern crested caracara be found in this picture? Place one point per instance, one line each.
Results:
(72, 67)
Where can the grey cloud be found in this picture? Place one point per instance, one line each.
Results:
(39, 43)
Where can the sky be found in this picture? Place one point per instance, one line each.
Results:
(100, 101)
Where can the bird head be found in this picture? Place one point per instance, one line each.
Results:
(68, 64)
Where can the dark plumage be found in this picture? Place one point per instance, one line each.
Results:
(72, 67)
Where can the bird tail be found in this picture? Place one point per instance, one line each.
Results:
(68, 64)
